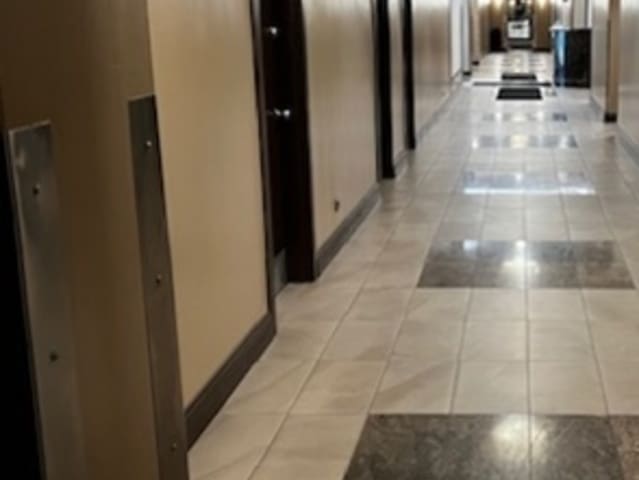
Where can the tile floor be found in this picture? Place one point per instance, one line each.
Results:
(483, 323)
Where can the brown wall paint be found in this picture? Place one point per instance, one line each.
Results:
(342, 110)
(78, 66)
(397, 77)
(629, 73)
(203, 69)
(431, 19)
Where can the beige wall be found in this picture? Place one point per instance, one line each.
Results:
(476, 31)
(78, 66)
(342, 110)
(203, 68)
(605, 56)
(432, 57)
(397, 77)
(629, 54)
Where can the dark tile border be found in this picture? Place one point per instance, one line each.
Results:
(500, 447)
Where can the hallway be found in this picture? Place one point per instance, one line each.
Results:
(481, 323)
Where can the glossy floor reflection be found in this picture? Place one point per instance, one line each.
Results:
(440, 382)
(525, 117)
(522, 141)
(529, 183)
(513, 447)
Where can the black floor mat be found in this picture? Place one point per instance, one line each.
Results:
(519, 94)
(519, 76)
(513, 84)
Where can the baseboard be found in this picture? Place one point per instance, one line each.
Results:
(608, 117)
(343, 233)
(400, 161)
(213, 396)
(423, 130)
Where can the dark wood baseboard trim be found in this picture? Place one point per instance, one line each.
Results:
(341, 235)
(400, 161)
(423, 130)
(610, 117)
(213, 396)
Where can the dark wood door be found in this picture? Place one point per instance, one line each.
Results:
(384, 108)
(282, 86)
(409, 76)
(23, 432)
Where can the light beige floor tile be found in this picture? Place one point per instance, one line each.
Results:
(584, 231)
(231, 447)
(433, 341)
(412, 385)
(283, 468)
(621, 387)
(301, 339)
(271, 386)
(612, 305)
(492, 387)
(361, 340)
(561, 342)
(315, 303)
(542, 231)
(566, 388)
(494, 342)
(555, 305)
(311, 447)
(380, 305)
(438, 304)
(349, 274)
(497, 305)
(339, 388)
(616, 341)
(394, 275)
(503, 231)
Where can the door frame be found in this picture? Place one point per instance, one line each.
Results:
(299, 215)
(28, 440)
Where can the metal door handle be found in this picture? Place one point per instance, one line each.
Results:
(284, 114)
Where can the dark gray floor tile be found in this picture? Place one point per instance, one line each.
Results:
(626, 432)
(573, 448)
(499, 276)
(454, 251)
(415, 447)
(447, 274)
(551, 253)
(604, 274)
(511, 264)
(548, 275)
